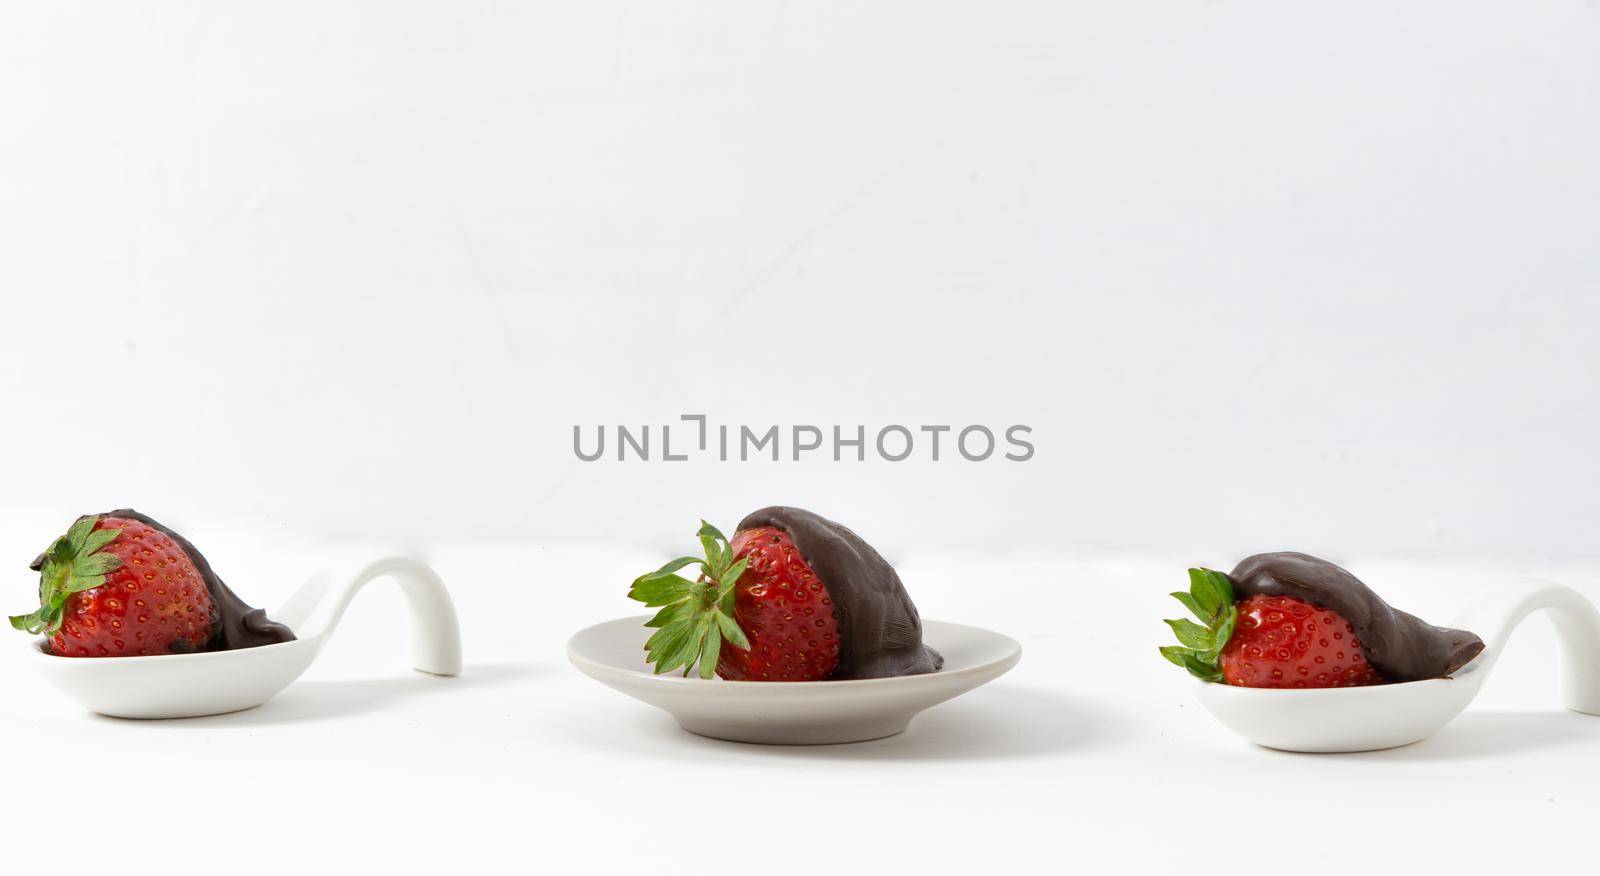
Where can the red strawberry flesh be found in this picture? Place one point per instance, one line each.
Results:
(1284, 642)
(784, 609)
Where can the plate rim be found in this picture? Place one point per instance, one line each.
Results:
(1006, 663)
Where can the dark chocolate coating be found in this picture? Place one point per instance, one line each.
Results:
(880, 634)
(234, 624)
(1399, 646)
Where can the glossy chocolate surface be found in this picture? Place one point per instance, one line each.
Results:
(1399, 646)
(880, 633)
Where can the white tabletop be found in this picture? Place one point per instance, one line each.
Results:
(1093, 751)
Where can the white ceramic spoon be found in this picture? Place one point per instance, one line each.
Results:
(216, 682)
(793, 712)
(1390, 715)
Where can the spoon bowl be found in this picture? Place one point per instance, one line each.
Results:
(1391, 715)
(217, 682)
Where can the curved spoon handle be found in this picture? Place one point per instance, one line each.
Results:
(298, 608)
(433, 635)
(1577, 626)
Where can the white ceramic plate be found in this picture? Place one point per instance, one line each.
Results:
(793, 713)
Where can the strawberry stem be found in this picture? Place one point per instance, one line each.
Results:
(72, 564)
(696, 616)
(1210, 600)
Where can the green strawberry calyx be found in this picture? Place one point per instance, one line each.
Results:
(73, 564)
(696, 617)
(1210, 599)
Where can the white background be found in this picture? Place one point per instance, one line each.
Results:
(1259, 275)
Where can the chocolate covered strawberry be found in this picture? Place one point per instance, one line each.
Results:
(793, 597)
(116, 587)
(121, 584)
(1291, 620)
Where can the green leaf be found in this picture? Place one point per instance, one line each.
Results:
(1205, 593)
(732, 632)
(51, 575)
(677, 613)
(78, 585)
(60, 551)
(1224, 631)
(1201, 670)
(713, 542)
(689, 652)
(710, 652)
(1224, 584)
(46, 619)
(78, 533)
(1192, 635)
(1175, 654)
(99, 539)
(666, 635)
(1193, 606)
(99, 564)
(709, 531)
(660, 591)
(669, 613)
(715, 561)
(731, 576)
(669, 647)
(1211, 589)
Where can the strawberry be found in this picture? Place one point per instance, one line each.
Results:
(1265, 641)
(784, 610)
(115, 587)
(1281, 641)
(757, 594)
